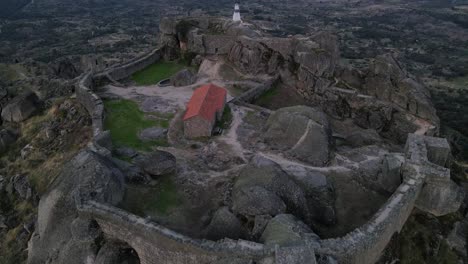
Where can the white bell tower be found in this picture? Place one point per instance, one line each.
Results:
(236, 17)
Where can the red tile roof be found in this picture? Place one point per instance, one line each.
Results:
(205, 102)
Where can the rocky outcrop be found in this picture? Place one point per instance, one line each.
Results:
(224, 224)
(388, 81)
(20, 108)
(301, 131)
(382, 96)
(20, 186)
(7, 138)
(60, 236)
(255, 200)
(157, 163)
(286, 230)
(320, 195)
(65, 69)
(269, 176)
(183, 78)
(263, 190)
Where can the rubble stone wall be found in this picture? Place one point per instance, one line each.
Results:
(92, 102)
(365, 244)
(254, 93)
(156, 244)
(424, 161)
(123, 71)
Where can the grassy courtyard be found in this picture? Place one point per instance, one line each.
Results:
(157, 72)
(125, 120)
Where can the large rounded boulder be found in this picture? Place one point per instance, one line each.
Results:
(183, 78)
(286, 230)
(224, 224)
(157, 163)
(263, 188)
(20, 108)
(301, 131)
(61, 235)
(7, 138)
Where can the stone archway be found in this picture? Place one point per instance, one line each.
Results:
(117, 252)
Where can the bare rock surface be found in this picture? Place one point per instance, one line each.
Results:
(224, 224)
(255, 200)
(301, 131)
(7, 138)
(19, 184)
(152, 133)
(286, 230)
(56, 240)
(262, 178)
(183, 78)
(20, 108)
(157, 163)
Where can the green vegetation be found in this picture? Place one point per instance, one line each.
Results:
(419, 235)
(158, 200)
(125, 120)
(226, 119)
(157, 72)
(450, 102)
(265, 99)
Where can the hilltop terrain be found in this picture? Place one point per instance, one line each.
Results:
(349, 79)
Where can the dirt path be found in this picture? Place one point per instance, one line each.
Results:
(231, 138)
(289, 164)
(175, 95)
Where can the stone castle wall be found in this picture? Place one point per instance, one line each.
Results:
(425, 157)
(366, 243)
(124, 70)
(156, 244)
(92, 102)
(254, 93)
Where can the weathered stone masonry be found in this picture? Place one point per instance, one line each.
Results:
(365, 244)
(426, 185)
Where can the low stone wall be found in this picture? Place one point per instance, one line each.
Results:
(123, 71)
(156, 244)
(92, 102)
(253, 94)
(423, 173)
(365, 244)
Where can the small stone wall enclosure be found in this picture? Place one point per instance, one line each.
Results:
(124, 70)
(423, 174)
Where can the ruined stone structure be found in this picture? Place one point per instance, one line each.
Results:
(426, 185)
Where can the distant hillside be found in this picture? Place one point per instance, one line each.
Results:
(9, 7)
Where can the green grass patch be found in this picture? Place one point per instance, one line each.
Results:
(265, 99)
(157, 72)
(226, 119)
(125, 120)
(152, 201)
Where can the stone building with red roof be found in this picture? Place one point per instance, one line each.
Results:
(205, 107)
